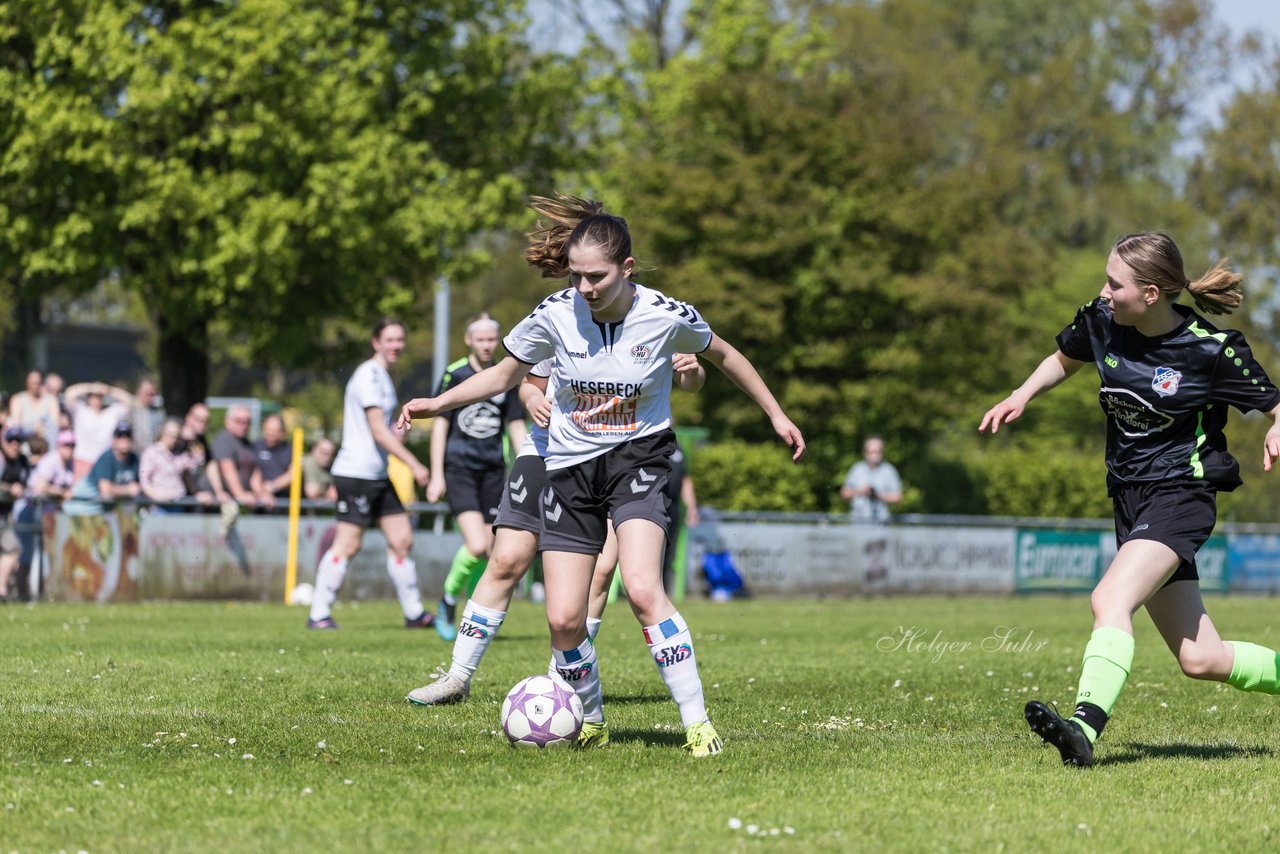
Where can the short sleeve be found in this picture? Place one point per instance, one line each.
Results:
(1239, 380)
(544, 368)
(224, 446)
(1076, 340)
(891, 481)
(693, 335)
(532, 340)
(367, 388)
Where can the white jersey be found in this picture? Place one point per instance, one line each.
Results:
(360, 456)
(611, 381)
(535, 441)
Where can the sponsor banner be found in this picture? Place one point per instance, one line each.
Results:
(845, 560)
(187, 556)
(1061, 560)
(1254, 562)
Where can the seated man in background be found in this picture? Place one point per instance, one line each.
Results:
(275, 459)
(113, 477)
(317, 482)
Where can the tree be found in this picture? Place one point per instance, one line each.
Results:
(265, 169)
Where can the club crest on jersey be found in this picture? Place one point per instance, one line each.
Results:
(1165, 383)
(641, 353)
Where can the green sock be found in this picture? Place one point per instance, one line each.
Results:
(1107, 659)
(1255, 668)
(460, 571)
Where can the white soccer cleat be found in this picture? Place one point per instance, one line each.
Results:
(444, 690)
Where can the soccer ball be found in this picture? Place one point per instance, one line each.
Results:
(302, 594)
(541, 711)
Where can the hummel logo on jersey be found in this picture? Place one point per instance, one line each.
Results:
(675, 306)
(576, 355)
(1165, 382)
(518, 483)
(641, 482)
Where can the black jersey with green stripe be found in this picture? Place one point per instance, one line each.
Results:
(1166, 397)
(477, 431)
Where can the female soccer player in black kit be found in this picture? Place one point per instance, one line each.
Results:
(1167, 378)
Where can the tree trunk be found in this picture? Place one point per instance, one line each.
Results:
(184, 363)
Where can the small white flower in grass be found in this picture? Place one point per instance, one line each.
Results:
(67, 761)
(97, 676)
(752, 679)
(8, 806)
(717, 685)
(1028, 675)
(773, 831)
(734, 823)
(71, 809)
(247, 756)
(790, 831)
(1164, 705)
(229, 791)
(752, 828)
(897, 683)
(1035, 687)
(1213, 708)
(182, 735)
(281, 651)
(96, 783)
(231, 741)
(991, 673)
(929, 699)
(307, 790)
(321, 744)
(346, 782)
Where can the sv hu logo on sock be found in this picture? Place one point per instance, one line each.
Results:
(471, 630)
(670, 655)
(574, 674)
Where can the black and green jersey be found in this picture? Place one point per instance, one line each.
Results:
(477, 431)
(1166, 397)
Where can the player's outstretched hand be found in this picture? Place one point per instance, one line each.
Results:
(1271, 447)
(435, 488)
(419, 407)
(683, 363)
(790, 434)
(1007, 410)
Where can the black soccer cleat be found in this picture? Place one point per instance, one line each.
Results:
(1063, 733)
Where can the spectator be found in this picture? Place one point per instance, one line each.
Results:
(236, 477)
(317, 483)
(13, 481)
(163, 469)
(145, 415)
(872, 484)
(53, 386)
(192, 441)
(94, 421)
(33, 409)
(275, 459)
(52, 477)
(113, 477)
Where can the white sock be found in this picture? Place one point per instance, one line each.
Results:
(579, 668)
(672, 649)
(329, 576)
(475, 632)
(404, 574)
(593, 627)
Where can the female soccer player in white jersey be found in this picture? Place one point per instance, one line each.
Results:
(517, 530)
(609, 450)
(365, 494)
(1168, 376)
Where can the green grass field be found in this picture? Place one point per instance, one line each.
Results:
(229, 727)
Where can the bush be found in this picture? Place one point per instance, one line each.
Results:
(741, 476)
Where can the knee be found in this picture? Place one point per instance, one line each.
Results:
(1204, 661)
(648, 599)
(1107, 610)
(565, 626)
(400, 548)
(508, 564)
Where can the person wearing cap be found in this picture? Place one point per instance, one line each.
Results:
(52, 477)
(13, 479)
(113, 477)
(94, 421)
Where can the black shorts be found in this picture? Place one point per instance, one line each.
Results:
(363, 502)
(627, 482)
(520, 494)
(470, 490)
(1178, 514)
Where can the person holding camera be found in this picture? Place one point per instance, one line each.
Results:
(872, 485)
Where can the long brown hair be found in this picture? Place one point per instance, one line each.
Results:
(569, 221)
(1156, 260)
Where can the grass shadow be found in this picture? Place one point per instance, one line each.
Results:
(1138, 752)
(649, 737)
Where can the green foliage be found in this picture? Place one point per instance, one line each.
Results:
(737, 475)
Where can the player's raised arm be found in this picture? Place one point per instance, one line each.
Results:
(738, 368)
(481, 386)
(1052, 371)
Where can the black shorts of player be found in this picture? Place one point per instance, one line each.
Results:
(471, 490)
(363, 502)
(627, 482)
(520, 493)
(1179, 514)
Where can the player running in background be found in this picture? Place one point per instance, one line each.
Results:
(1167, 378)
(609, 448)
(468, 465)
(516, 533)
(365, 494)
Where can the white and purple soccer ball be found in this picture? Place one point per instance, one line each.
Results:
(542, 711)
